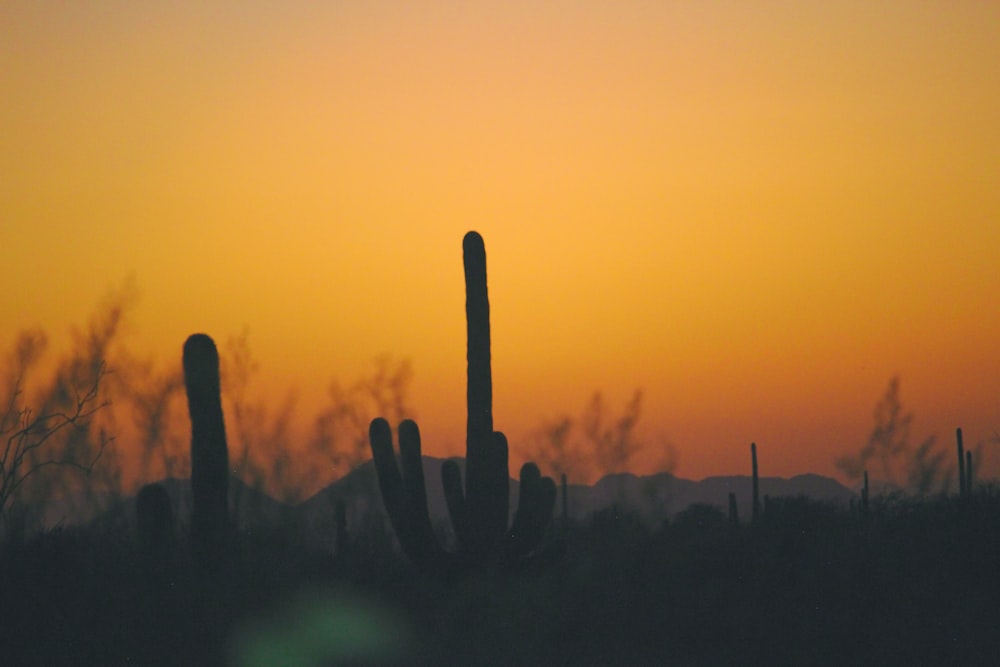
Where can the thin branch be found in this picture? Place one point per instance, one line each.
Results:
(35, 432)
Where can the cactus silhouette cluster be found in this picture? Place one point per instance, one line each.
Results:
(479, 511)
(479, 508)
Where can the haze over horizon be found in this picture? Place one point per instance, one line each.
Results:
(756, 214)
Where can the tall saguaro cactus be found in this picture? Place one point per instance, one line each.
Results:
(479, 510)
(486, 451)
(209, 454)
(755, 508)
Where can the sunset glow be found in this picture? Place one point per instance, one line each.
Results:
(757, 214)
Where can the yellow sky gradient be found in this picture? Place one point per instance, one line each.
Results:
(756, 212)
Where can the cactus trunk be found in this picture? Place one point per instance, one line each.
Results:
(209, 454)
(487, 483)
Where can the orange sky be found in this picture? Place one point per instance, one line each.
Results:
(756, 212)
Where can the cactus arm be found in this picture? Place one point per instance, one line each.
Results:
(411, 461)
(390, 481)
(404, 492)
(454, 496)
(415, 488)
(401, 514)
(535, 508)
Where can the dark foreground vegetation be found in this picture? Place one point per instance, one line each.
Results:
(913, 581)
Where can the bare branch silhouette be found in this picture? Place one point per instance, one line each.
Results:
(27, 435)
(341, 430)
(922, 468)
(596, 443)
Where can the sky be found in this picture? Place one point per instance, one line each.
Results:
(757, 213)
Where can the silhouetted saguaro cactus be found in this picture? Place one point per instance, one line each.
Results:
(734, 513)
(755, 512)
(209, 454)
(963, 489)
(340, 518)
(479, 510)
(565, 500)
(968, 472)
(154, 525)
(864, 495)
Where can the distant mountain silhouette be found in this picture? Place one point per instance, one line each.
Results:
(249, 506)
(652, 497)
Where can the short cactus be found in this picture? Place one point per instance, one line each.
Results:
(209, 454)
(864, 495)
(755, 509)
(968, 472)
(154, 524)
(479, 511)
(963, 489)
(340, 519)
(565, 502)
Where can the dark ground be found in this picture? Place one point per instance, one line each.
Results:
(913, 582)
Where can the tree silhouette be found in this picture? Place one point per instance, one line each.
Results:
(596, 443)
(63, 423)
(922, 468)
(551, 444)
(260, 430)
(54, 436)
(613, 444)
(340, 432)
